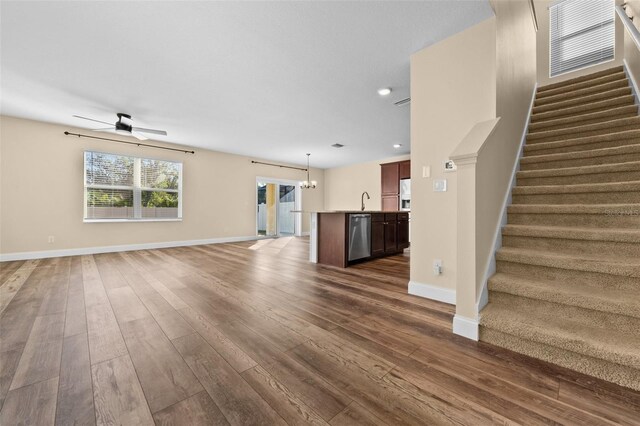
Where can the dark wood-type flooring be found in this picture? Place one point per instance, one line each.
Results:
(251, 333)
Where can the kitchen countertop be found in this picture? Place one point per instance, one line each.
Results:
(349, 211)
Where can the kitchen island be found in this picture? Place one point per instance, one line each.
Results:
(341, 238)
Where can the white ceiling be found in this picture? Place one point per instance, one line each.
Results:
(271, 80)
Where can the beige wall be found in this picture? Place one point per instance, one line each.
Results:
(542, 13)
(631, 52)
(41, 192)
(453, 86)
(343, 186)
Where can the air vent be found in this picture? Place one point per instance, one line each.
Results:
(402, 102)
(337, 145)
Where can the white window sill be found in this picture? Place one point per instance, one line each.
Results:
(131, 220)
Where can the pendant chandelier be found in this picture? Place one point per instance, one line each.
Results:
(308, 184)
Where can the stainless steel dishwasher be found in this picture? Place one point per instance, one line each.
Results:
(359, 236)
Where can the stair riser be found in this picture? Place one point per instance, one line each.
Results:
(579, 198)
(631, 220)
(596, 97)
(622, 375)
(605, 281)
(581, 147)
(581, 109)
(563, 245)
(588, 77)
(580, 93)
(570, 88)
(578, 179)
(574, 134)
(576, 162)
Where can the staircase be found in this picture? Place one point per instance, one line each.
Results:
(567, 286)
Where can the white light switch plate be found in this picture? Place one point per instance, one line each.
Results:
(426, 171)
(440, 185)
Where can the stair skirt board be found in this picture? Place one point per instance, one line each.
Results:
(566, 287)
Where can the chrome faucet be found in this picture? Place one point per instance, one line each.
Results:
(362, 199)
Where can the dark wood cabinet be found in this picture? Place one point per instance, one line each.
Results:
(390, 236)
(390, 179)
(403, 233)
(377, 238)
(390, 203)
(391, 173)
(405, 169)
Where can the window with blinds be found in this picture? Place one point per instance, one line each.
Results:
(120, 187)
(581, 34)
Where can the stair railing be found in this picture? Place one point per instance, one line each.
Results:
(627, 21)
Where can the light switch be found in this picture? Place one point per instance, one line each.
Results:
(440, 185)
(426, 171)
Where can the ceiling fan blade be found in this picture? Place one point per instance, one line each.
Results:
(91, 119)
(155, 132)
(106, 129)
(139, 136)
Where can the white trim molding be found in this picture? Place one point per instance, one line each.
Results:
(27, 255)
(466, 327)
(634, 85)
(432, 292)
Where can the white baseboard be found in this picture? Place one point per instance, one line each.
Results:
(466, 327)
(432, 292)
(26, 255)
(305, 234)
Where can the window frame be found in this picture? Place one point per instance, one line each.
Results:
(582, 67)
(137, 190)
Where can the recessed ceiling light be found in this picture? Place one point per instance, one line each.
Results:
(397, 145)
(384, 91)
(337, 145)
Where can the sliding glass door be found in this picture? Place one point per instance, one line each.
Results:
(277, 201)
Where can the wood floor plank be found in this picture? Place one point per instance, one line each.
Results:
(75, 396)
(240, 404)
(105, 338)
(231, 352)
(126, 304)
(31, 405)
(75, 318)
(8, 365)
(14, 282)
(41, 355)
(198, 410)
(163, 374)
(118, 396)
(290, 407)
(355, 415)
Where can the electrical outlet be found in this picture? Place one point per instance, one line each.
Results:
(51, 239)
(437, 267)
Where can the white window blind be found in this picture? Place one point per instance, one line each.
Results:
(131, 188)
(581, 34)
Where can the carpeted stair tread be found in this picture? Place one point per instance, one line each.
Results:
(604, 264)
(582, 101)
(583, 108)
(628, 137)
(620, 302)
(573, 87)
(581, 188)
(601, 152)
(581, 92)
(590, 209)
(574, 233)
(582, 119)
(611, 126)
(586, 332)
(588, 77)
(580, 170)
(612, 372)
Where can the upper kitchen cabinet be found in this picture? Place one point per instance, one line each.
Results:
(390, 178)
(392, 174)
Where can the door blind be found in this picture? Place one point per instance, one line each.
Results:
(581, 34)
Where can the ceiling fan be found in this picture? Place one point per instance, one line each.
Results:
(125, 128)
